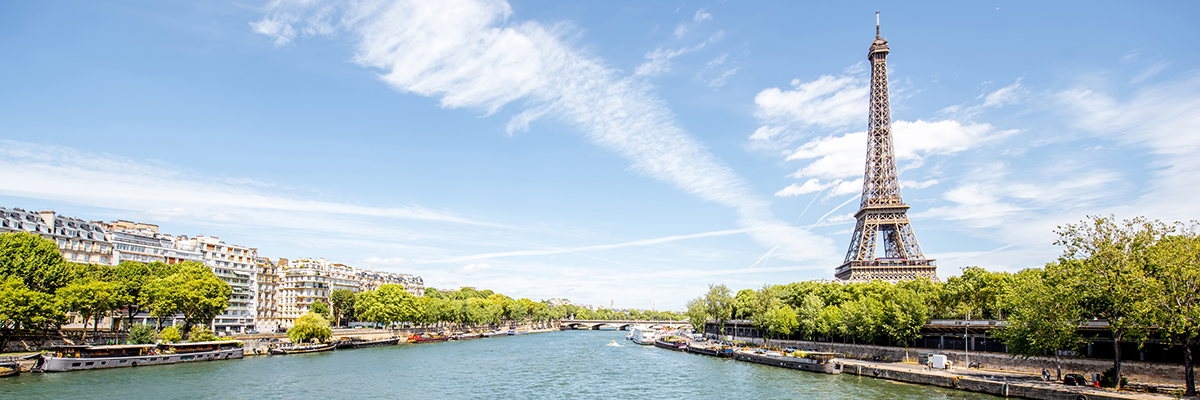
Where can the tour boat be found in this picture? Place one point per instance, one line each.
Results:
(427, 338)
(710, 349)
(643, 335)
(300, 349)
(805, 361)
(74, 358)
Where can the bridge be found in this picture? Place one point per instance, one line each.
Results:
(622, 324)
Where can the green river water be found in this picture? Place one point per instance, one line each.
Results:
(556, 365)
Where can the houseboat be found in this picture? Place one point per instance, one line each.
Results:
(428, 338)
(805, 361)
(74, 358)
(467, 336)
(300, 349)
(671, 343)
(498, 332)
(710, 349)
(517, 331)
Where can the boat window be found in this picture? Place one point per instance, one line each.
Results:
(123, 361)
(89, 363)
(186, 358)
(74, 364)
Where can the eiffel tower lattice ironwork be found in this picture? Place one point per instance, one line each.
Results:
(882, 216)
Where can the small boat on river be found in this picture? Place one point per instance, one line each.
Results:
(301, 349)
(498, 332)
(467, 336)
(709, 349)
(427, 338)
(671, 343)
(359, 343)
(8, 369)
(74, 358)
(517, 331)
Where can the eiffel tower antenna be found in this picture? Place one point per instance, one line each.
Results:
(882, 215)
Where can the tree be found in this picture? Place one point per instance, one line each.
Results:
(131, 279)
(342, 301)
(388, 305)
(1045, 316)
(22, 308)
(201, 334)
(808, 316)
(903, 316)
(310, 326)
(778, 321)
(193, 290)
(718, 304)
(1108, 263)
(697, 313)
(321, 308)
(34, 260)
(1176, 270)
(90, 298)
(861, 318)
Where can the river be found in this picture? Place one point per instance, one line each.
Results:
(555, 365)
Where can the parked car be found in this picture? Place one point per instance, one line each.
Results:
(1074, 380)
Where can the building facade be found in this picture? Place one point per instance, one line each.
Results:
(78, 240)
(237, 267)
(266, 308)
(140, 242)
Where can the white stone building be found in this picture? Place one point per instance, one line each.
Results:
(237, 267)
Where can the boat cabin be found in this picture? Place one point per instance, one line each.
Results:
(198, 347)
(821, 357)
(128, 350)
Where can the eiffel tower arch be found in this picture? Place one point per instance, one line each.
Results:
(882, 215)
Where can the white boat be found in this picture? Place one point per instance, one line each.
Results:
(517, 331)
(643, 335)
(73, 358)
(498, 332)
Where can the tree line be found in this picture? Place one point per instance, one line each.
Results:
(38, 288)
(1141, 276)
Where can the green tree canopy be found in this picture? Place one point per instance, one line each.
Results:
(342, 301)
(1176, 269)
(34, 260)
(90, 298)
(193, 290)
(310, 326)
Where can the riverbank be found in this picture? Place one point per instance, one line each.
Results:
(993, 382)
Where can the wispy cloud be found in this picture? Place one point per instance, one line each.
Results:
(582, 249)
(472, 54)
(659, 60)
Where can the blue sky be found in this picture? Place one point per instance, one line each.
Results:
(623, 152)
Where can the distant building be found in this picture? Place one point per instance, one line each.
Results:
(371, 280)
(140, 242)
(78, 240)
(236, 266)
(266, 317)
(555, 302)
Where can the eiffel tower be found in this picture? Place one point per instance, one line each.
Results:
(882, 215)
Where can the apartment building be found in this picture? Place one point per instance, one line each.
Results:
(236, 266)
(266, 294)
(141, 242)
(78, 240)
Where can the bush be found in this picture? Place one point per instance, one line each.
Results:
(201, 334)
(170, 335)
(1106, 379)
(308, 327)
(142, 334)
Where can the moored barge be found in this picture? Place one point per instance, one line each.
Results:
(671, 343)
(812, 362)
(74, 358)
(312, 348)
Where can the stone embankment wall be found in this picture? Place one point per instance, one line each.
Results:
(1135, 370)
(1005, 389)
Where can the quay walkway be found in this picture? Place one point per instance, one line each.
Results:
(999, 383)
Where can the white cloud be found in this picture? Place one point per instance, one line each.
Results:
(681, 30)
(702, 15)
(1010, 94)
(473, 268)
(827, 102)
(471, 54)
(659, 60)
(390, 261)
(720, 80)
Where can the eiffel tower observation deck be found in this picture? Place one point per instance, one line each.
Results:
(882, 216)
